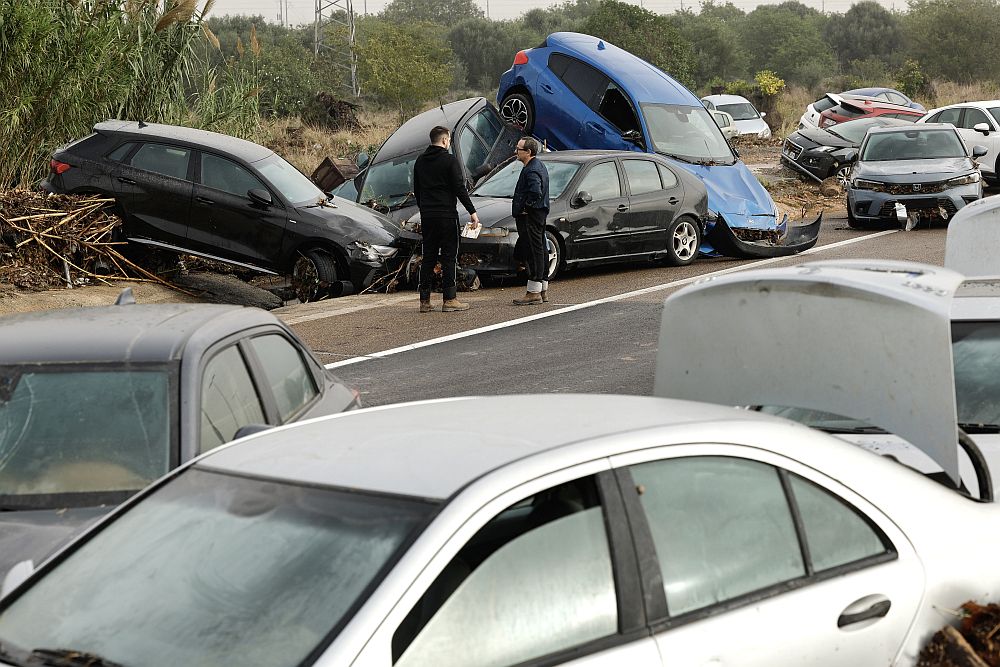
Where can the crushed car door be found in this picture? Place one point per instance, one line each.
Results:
(595, 220)
(614, 116)
(563, 99)
(154, 189)
(821, 577)
(652, 205)
(226, 223)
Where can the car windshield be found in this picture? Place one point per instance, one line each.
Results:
(740, 111)
(687, 133)
(73, 437)
(289, 181)
(502, 182)
(389, 184)
(823, 103)
(212, 566)
(912, 145)
(995, 112)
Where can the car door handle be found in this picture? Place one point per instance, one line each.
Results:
(674, 200)
(622, 207)
(596, 128)
(547, 88)
(122, 179)
(204, 200)
(867, 608)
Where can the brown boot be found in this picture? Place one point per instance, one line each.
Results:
(530, 299)
(545, 296)
(425, 306)
(453, 305)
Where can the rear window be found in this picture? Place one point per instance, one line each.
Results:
(823, 104)
(848, 112)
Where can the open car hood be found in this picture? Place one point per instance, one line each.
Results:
(865, 339)
(973, 236)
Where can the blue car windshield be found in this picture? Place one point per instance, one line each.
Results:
(912, 145)
(687, 133)
(501, 183)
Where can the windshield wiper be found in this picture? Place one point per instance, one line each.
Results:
(973, 427)
(59, 657)
(858, 430)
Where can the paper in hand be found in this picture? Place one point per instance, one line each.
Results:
(471, 232)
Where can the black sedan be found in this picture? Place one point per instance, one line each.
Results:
(606, 206)
(96, 403)
(216, 196)
(821, 154)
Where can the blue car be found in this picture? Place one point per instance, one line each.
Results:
(579, 92)
(890, 95)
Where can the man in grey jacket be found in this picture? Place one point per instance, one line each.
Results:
(530, 207)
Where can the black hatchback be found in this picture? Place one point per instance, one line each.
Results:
(821, 154)
(216, 196)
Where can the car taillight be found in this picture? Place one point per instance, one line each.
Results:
(521, 58)
(58, 167)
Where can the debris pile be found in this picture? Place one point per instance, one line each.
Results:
(975, 643)
(49, 241)
(327, 111)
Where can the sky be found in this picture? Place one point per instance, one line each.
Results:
(304, 11)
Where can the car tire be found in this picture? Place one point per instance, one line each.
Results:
(683, 241)
(312, 274)
(555, 253)
(843, 174)
(853, 222)
(518, 110)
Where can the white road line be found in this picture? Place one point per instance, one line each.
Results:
(598, 302)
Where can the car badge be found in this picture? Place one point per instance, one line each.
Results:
(916, 187)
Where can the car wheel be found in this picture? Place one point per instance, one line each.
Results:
(554, 254)
(843, 175)
(683, 241)
(312, 274)
(517, 110)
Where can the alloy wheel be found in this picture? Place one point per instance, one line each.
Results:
(305, 279)
(515, 111)
(844, 175)
(685, 241)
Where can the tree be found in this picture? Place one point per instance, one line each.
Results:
(866, 31)
(714, 45)
(439, 12)
(486, 48)
(954, 39)
(404, 65)
(649, 36)
(787, 40)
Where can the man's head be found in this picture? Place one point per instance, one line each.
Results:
(527, 148)
(441, 136)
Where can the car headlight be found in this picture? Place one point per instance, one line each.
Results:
(374, 253)
(968, 179)
(861, 184)
(825, 149)
(494, 231)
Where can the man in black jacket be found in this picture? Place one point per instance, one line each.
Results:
(438, 185)
(530, 207)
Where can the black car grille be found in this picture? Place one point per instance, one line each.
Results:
(889, 208)
(791, 151)
(916, 188)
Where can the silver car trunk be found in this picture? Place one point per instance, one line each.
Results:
(872, 342)
(973, 237)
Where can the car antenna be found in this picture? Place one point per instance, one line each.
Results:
(126, 298)
(141, 125)
(441, 104)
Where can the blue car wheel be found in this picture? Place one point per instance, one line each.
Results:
(517, 110)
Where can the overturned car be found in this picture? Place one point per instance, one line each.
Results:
(576, 91)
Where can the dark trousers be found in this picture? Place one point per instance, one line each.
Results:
(440, 237)
(531, 228)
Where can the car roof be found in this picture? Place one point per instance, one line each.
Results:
(643, 81)
(587, 155)
(240, 148)
(911, 127)
(873, 91)
(726, 99)
(414, 134)
(432, 449)
(129, 333)
(986, 104)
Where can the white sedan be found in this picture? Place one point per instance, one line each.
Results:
(745, 116)
(546, 530)
(978, 123)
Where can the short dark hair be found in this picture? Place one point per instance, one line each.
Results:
(530, 145)
(439, 133)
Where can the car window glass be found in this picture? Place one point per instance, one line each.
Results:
(823, 104)
(558, 63)
(535, 580)
(642, 176)
(835, 533)
(229, 400)
(995, 112)
(666, 176)
(389, 184)
(615, 107)
(948, 116)
(586, 82)
(487, 126)
(602, 182)
(501, 184)
(226, 175)
(291, 382)
(702, 511)
(159, 159)
(474, 152)
(921, 144)
(973, 117)
(896, 98)
(119, 153)
(740, 110)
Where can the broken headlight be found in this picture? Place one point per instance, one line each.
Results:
(968, 179)
(862, 184)
(372, 252)
(494, 231)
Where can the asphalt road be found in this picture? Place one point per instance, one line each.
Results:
(391, 353)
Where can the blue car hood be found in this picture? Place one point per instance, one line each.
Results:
(736, 193)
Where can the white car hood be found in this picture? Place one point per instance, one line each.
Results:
(752, 126)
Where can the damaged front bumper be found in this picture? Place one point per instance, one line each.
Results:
(755, 240)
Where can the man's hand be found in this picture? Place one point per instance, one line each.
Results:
(475, 220)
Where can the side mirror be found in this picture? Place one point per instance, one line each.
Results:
(850, 156)
(984, 128)
(762, 114)
(582, 198)
(260, 196)
(363, 159)
(16, 576)
(979, 151)
(250, 429)
(634, 136)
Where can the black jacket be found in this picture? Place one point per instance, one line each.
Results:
(532, 189)
(438, 183)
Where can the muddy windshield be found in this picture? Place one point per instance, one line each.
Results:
(912, 145)
(77, 437)
(687, 133)
(212, 566)
(389, 184)
(502, 182)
